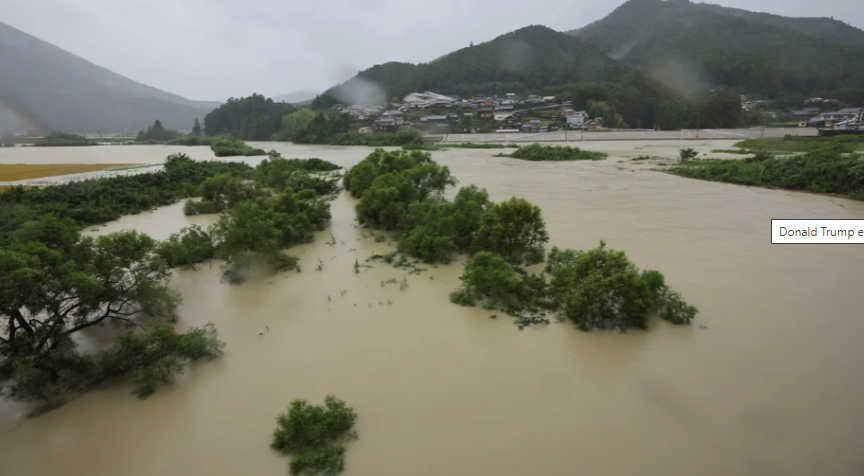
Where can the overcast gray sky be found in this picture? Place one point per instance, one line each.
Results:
(214, 49)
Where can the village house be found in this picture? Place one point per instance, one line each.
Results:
(386, 124)
(509, 123)
(427, 100)
(533, 126)
(389, 121)
(486, 110)
(840, 115)
(434, 123)
(806, 112)
(576, 120)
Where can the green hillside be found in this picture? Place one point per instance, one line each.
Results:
(533, 59)
(687, 46)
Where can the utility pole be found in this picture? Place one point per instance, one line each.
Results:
(697, 125)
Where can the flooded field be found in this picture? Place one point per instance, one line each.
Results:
(767, 382)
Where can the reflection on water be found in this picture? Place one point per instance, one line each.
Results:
(771, 387)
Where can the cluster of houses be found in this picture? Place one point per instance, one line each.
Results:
(507, 113)
(827, 120)
(810, 116)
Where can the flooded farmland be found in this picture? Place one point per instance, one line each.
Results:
(767, 382)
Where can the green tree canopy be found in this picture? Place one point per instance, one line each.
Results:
(254, 118)
(513, 229)
(56, 289)
(156, 133)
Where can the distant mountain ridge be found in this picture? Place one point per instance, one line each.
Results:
(54, 89)
(296, 97)
(823, 28)
(685, 44)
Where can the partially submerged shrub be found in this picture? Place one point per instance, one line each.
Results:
(385, 203)
(490, 277)
(187, 248)
(687, 154)
(152, 359)
(380, 162)
(229, 147)
(823, 170)
(258, 230)
(555, 153)
(279, 173)
(597, 289)
(155, 358)
(602, 289)
(313, 435)
(513, 229)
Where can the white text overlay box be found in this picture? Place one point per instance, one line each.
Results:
(817, 231)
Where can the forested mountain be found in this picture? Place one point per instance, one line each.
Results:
(687, 46)
(533, 59)
(52, 89)
(817, 27)
(251, 118)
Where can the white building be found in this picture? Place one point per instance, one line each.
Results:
(577, 119)
(427, 99)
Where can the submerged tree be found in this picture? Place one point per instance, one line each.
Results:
(360, 177)
(53, 290)
(602, 289)
(386, 201)
(247, 233)
(196, 128)
(314, 435)
(54, 285)
(513, 229)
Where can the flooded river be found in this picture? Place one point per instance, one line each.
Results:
(767, 382)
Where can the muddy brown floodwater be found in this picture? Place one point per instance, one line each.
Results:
(771, 386)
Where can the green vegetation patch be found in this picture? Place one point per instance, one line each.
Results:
(538, 153)
(61, 139)
(314, 436)
(228, 147)
(73, 283)
(595, 289)
(791, 143)
(103, 199)
(403, 192)
(192, 140)
(825, 170)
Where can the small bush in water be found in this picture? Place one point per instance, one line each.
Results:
(314, 435)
